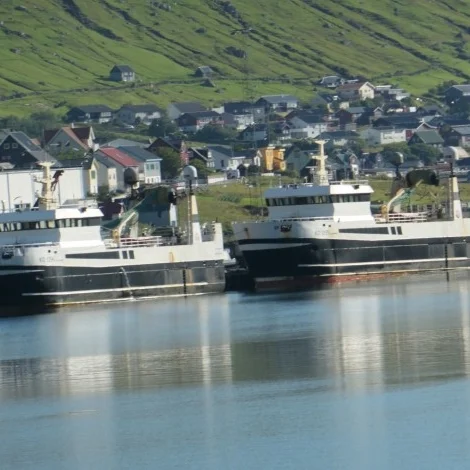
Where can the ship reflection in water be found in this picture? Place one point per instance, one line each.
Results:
(367, 376)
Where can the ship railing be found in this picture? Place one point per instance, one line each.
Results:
(28, 245)
(139, 241)
(289, 219)
(403, 218)
(351, 182)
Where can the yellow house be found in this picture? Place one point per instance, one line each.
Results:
(272, 159)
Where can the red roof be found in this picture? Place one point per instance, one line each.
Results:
(119, 157)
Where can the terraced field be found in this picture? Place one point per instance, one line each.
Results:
(56, 53)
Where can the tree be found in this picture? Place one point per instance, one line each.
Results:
(34, 125)
(357, 146)
(171, 163)
(253, 170)
(215, 133)
(427, 153)
(162, 127)
(390, 151)
(462, 106)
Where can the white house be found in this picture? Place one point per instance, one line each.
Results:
(278, 102)
(150, 164)
(305, 126)
(106, 173)
(120, 160)
(138, 113)
(383, 135)
(20, 189)
(224, 158)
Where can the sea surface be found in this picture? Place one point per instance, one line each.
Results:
(368, 376)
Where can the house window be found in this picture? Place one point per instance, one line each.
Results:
(14, 145)
(93, 174)
(6, 146)
(222, 163)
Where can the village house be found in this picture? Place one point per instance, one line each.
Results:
(305, 125)
(272, 158)
(391, 94)
(450, 120)
(138, 114)
(106, 173)
(17, 150)
(456, 93)
(150, 164)
(278, 102)
(338, 138)
(69, 140)
(175, 110)
(244, 113)
(358, 91)
(331, 81)
(383, 135)
(410, 122)
(254, 133)
(204, 71)
(224, 158)
(460, 136)
(348, 117)
(122, 73)
(90, 168)
(298, 158)
(90, 113)
(430, 110)
(193, 122)
(177, 145)
(237, 121)
(203, 154)
(120, 160)
(430, 137)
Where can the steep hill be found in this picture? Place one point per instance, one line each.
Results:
(59, 52)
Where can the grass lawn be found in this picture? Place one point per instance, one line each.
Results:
(57, 54)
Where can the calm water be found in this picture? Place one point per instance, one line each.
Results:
(364, 377)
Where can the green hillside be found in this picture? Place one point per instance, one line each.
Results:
(55, 53)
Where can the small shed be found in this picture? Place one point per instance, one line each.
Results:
(122, 73)
(204, 71)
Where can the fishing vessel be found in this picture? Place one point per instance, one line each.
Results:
(51, 255)
(325, 231)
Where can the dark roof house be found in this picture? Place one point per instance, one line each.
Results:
(138, 153)
(122, 73)
(17, 149)
(430, 137)
(90, 113)
(204, 71)
(278, 102)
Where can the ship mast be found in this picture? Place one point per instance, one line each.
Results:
(321, 175)
(46, 199)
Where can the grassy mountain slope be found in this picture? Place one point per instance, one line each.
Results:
(59, 52)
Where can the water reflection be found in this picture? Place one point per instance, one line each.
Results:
(369, 336)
